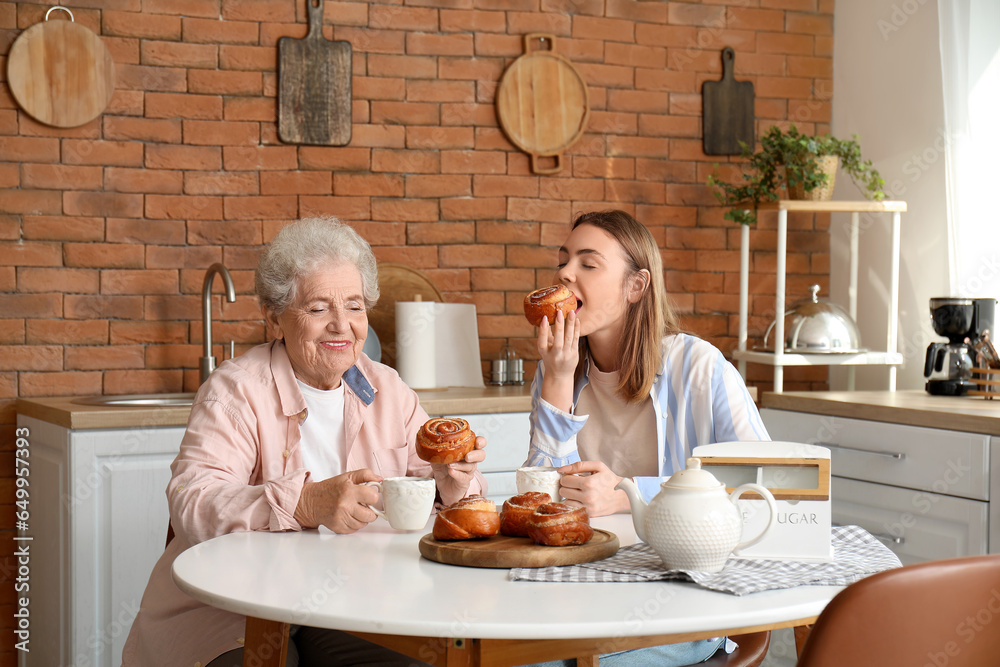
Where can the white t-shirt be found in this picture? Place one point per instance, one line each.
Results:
(323, 445)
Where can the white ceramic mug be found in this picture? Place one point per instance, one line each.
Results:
(407, 501)
(544, 479)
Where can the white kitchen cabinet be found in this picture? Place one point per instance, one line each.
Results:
(928, 493)
(98, 522)
(779, 358)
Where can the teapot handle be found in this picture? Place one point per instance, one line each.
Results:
(771, 507)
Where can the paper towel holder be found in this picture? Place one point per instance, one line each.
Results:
(397, 282)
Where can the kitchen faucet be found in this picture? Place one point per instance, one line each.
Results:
(208, 361)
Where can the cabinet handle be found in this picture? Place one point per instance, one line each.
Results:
(899, 456)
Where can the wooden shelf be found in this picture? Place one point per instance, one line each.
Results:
(835, 206)
(839, 359)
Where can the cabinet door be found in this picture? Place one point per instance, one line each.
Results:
(501, 485)
(916, 525)
(119, 530)
(953, 463)
(506, 436)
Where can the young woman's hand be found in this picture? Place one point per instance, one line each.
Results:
(559, 347)
(595, 491)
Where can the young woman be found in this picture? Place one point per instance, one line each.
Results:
(620, 391)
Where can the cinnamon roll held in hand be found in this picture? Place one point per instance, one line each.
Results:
(445, 440)
(516, 510)
(470, 518)
(547, 301)
(559, 525)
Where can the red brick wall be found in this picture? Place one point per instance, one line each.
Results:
(106, 229)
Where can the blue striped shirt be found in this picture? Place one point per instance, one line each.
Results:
(698, 397)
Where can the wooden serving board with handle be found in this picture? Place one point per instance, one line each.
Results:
(501, 551)
(542, 102)
(314, 86)
(727, 111)
(60, 72)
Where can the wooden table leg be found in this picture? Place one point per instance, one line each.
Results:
(588, 661)
(461, 653)
(265, 643)
(438, 651)
(801, 634)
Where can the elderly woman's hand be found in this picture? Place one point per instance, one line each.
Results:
(339, 503)
(453, 479)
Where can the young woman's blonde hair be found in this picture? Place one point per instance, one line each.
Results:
(649, 318)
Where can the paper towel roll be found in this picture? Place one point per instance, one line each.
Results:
(437, 345)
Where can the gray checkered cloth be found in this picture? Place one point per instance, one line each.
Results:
(856, 554)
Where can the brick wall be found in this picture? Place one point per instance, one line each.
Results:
(106, 229)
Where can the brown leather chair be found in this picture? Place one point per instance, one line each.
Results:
(751, 651)
(944, 612)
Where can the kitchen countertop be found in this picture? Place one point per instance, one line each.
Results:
(62, 411)
(914, 407)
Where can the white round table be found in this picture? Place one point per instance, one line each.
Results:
(375, 581)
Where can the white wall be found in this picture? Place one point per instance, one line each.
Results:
(887, 89)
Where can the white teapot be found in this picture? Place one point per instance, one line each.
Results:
(692, 523)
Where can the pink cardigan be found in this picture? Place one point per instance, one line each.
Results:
(240, 469)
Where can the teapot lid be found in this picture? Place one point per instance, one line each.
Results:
(693, 477)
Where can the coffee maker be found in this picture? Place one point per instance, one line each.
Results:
(965, 322)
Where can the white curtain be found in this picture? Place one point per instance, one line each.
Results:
(970, 65)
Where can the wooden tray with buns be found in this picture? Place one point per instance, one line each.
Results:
(501, 551)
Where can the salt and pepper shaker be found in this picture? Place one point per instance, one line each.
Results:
(515, 366)
(498, 372)
(508, 368)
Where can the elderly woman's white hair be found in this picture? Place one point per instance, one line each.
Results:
(303, 247)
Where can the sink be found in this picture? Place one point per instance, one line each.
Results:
(140, 400)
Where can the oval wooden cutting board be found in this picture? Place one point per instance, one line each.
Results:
(61, 73)
(503, 552)
(542, 103)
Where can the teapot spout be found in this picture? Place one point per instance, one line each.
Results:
(637, 504)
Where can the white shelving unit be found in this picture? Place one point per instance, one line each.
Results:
(779, 358)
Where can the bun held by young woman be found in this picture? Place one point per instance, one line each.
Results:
(472, 517)
(445, 440)
(559, 525)
(546, 302)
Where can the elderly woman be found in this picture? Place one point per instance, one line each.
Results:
(285, 437)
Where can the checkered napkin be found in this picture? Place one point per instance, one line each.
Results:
(856, 554)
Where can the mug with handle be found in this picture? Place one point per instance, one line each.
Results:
(407, 501)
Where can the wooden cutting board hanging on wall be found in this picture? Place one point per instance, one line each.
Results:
(60, 72)
(314, 86)
(727, 111)
(542, 103)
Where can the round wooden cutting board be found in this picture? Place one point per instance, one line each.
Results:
(504, 552)
(542, 102)
(61, 73)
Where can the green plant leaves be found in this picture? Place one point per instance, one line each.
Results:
(790, 159)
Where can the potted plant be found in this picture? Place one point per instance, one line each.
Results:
(805, 165)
